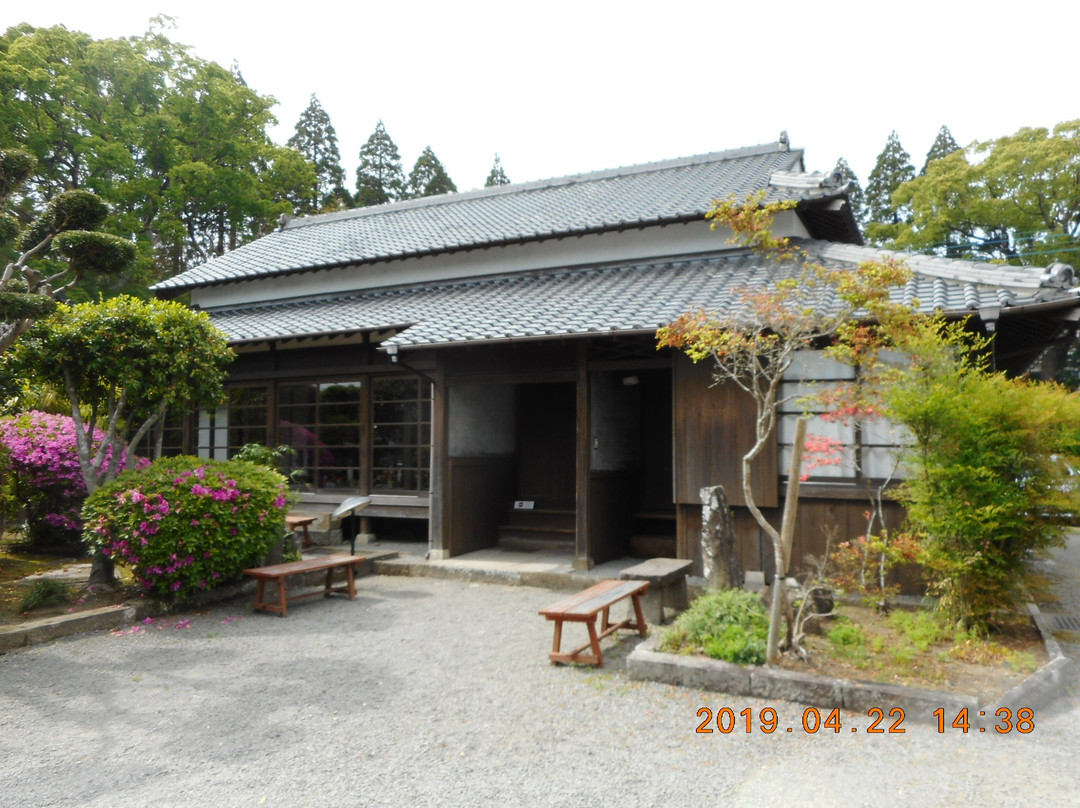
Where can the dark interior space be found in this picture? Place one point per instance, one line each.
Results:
(546, 427)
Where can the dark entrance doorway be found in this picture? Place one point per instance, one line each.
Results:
(545, 430)
(545, 443)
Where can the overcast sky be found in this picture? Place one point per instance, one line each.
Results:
(563, 87)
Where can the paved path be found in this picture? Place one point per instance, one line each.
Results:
(438, 692)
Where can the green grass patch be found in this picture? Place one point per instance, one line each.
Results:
(43, 594)
(921, 628)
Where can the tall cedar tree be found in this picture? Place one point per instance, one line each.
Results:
(316, 139)
(893, 169)
(428, 177)
(379, 177)
(856, 197)
(1014, 199)
(497, 175)
(944, 145)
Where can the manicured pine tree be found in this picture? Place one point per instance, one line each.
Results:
(893, 168)
(379, 178)
(316, 139)
(856, 198)
(428, 177)
(497, 175)
(944, 144)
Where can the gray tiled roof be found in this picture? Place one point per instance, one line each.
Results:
(674, 190)
(610, 299)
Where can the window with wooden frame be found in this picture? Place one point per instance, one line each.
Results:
(401, 434)
(242, 419)
(322, 422)
(869, 448)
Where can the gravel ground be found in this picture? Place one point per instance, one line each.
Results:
(439, 692)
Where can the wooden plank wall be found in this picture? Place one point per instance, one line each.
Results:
(713, 429)
(478, 490)
(813, 517)
(611, 500)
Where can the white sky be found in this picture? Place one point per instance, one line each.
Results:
(562, 87)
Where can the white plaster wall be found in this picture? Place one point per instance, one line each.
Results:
(481, 420)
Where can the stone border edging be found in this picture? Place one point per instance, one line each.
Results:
(1038, 690)
(33, 632)
(646, 663)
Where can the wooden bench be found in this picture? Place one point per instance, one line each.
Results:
(279, 572)
(584, 607)
(298, 521)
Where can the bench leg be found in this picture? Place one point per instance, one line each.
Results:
(556, 644)
(259, 594)
(639, 613)
(283, 602)
(594, 641)
(350, 572)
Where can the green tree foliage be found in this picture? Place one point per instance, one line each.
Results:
(177, 146)
(316, 139)
(379, 177)
(496, 176)
(61, 246)
(988, 488)
(944, 145)
(892, 169)
(123, 363)
(1014, 199)
(428, 177)
(856, 197)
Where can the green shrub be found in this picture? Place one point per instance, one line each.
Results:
(728, 624)
(987, 492)
(44, 593)
(185, 524)
(847, 635)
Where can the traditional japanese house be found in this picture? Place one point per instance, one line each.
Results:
(455, 356)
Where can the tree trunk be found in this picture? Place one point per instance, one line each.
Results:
(719, 549)
(102, 571)
(782, 552)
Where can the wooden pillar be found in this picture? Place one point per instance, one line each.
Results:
(439, 544)
(582, 550)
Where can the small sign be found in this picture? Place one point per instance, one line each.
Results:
(523, 505)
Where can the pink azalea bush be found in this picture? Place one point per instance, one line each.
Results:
(48, 479)
(186, 524)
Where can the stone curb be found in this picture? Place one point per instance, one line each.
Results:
(422, 569)
(33, 632)
(1037, 691)
(645, 663)
(543, 580)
